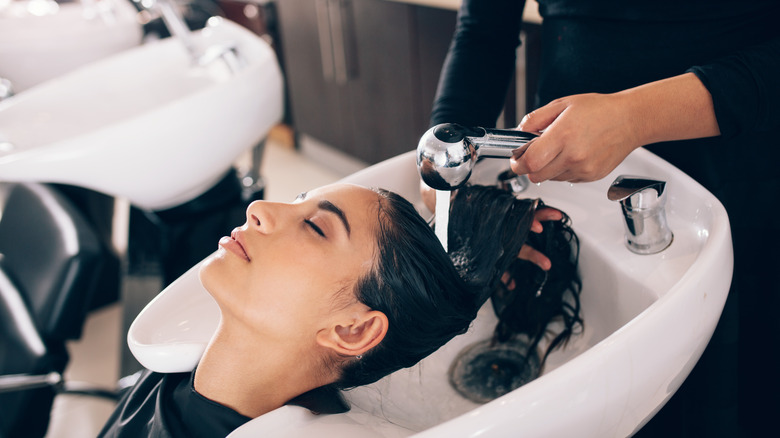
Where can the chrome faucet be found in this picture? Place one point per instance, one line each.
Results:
(447, 152)
(643, 203)
(177, 26)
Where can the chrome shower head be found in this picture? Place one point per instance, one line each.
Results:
(447, 152)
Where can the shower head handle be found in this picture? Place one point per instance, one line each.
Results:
(447, 152)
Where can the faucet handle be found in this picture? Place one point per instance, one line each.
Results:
(635, 193)
(642, 202)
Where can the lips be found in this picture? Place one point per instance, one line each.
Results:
(233, 244)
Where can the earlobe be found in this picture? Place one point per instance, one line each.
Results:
(357, 336)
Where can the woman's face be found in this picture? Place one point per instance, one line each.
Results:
(290, 267)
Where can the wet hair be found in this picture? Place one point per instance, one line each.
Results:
(416, 286)
(540, 298)
(489, 226)
(428, 296)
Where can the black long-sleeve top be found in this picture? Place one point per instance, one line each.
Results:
(606, 46)
(610, 45)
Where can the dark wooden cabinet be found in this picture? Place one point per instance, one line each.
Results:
(361, 74)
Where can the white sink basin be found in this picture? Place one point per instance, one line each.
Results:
(41, 39)
(647, 321)
(148, 124)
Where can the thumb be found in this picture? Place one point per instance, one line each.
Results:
(541, 118)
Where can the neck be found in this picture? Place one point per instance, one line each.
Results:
(254, 378)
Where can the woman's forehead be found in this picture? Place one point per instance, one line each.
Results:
(352, 194)
(359, 203)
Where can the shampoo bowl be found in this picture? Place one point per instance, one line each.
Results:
(149, 124)
(42, 39)
(647, 320)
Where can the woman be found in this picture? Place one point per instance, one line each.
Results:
(333, 291)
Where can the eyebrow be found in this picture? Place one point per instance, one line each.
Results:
(332, 208)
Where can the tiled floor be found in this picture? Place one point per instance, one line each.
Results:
(95, 357)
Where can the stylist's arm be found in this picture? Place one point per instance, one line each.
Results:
(587, 135)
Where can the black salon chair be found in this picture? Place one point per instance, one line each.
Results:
(50, 259)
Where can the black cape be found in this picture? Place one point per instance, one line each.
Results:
(167, 405)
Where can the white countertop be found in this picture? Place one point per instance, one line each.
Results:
(530, 14)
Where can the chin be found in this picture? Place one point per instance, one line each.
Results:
(212, 269)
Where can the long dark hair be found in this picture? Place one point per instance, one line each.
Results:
(429, 297)
(539, 298)
(488, 226)
(416, 285)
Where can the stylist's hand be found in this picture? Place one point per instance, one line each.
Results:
(585, 137)
(529, 253)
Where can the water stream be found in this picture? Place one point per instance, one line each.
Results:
(442, 216)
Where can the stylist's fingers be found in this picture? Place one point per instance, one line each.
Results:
(539, 152)
(574, 161)
(548, 214)
(538, 155)
(544, 214)
(535, 257)
(541, 118)
(570, 176)
(550, 170)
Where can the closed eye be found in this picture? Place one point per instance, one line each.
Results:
(314, 227)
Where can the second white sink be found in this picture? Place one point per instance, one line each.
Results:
(42, 39)
(148, 124)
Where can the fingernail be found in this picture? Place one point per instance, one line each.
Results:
(517, 153)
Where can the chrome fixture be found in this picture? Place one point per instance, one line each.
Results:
(252, 183)
(643, 203)
(512, 182)
(447, 152)
(177, 26)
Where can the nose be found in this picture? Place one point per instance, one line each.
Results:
(261, 216)
(266, 216)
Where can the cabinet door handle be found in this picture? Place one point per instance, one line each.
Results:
(342, 40)
(326, 45)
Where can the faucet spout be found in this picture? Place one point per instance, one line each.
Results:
(447, 152)
(177, 26)
(643, 202)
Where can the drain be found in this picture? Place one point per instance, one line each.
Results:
(483, 372)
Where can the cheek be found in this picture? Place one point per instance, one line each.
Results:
(280, 294)
(277, 299)
(295, 302)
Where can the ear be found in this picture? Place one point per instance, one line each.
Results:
(356, 334)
